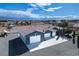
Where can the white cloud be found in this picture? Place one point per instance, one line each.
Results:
(18, 13)
(29, 13)
(53, 9)
(39, 5)
(11, 11)
(35, 5)
(43, 4)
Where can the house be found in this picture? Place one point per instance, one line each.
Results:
(47, 34)
(35, 34)
(30, 37)
(34, 37)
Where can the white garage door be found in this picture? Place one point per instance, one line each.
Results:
(34, 39)
(53, 34)
(47, 35)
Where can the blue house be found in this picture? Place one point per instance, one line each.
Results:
(34, 38)
(47, 34)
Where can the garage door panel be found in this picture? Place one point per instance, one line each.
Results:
(47, 35)
(53, 34)
(34, 39)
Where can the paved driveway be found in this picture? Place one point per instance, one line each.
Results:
(62, 49)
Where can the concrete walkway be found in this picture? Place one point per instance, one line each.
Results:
(4, 44)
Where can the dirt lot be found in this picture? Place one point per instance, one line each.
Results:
(2, 29)
(27, 26)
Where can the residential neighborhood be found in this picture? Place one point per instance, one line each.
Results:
(39, 29)
(22, 38)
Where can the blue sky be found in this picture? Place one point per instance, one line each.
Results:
(38, 10)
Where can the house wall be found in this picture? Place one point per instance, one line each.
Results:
(32, 35)
(48, 34)
(54, 33)
(35, 39)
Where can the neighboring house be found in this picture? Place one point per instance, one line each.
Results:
(34, 37)
(76, 28)
(35, 34)
(47, 34)
(76, 25)
(53, 32)
(31, 38)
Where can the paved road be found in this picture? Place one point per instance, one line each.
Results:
(62, 49)
(4, 44)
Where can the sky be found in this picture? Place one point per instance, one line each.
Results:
(38, 10)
